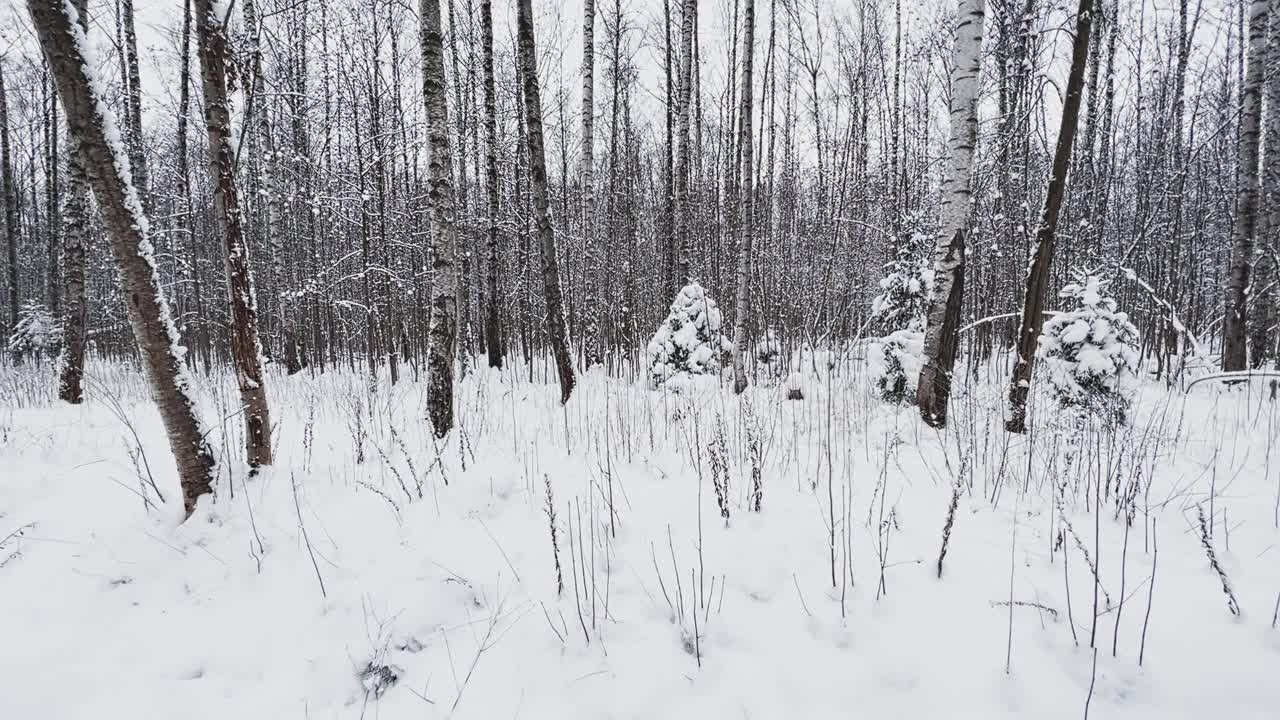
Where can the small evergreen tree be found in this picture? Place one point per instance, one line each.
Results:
(688, 342)
(1090, 352)
(38, 333)
(898, 314)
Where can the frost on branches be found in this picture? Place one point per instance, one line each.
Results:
(898, 313)
(1090, 352)
(37, 333)
(688, 343)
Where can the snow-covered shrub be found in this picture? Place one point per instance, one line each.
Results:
(795, 386)
(1090, 352)
(688, 342)
(904, 291)
(898, 312)
(894, 363)
(768, 348)
(37, 332)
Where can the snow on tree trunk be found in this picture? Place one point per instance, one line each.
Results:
(443, 334)
(1234, 345)
(942, 329)
(98, 141)
(746, 194)
(1268, 271)
(75, 218)
(557, 334)
(1038, 273)
(246, 352)
(493, 328)
(10, 199)
(137, 152)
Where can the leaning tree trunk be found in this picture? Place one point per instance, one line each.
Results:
(1234, 345)
(1038, 274)
(443, 335)
(942, 329)
(492, 328)
(556, 332)
(746, 194)
(246, 352)
(1264, 311)
(683, 206)
(94, 134)
(591, 273)
(75, 218)
(10, 203)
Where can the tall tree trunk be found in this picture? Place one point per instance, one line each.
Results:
(1234, 346)
(684, 208)
(137, 152)
(1264, 310)
(12, 230)
(1038, 274)
(556, 331)
(591, 292)
(746, 206)
(942, 329)
(444, 233)
(493, 328)
(246, 352)
(75, 218)
(93, 130)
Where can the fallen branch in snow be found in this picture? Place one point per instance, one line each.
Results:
(1234, 376)
(293, 482)
(1023, 603)
(1232, 605)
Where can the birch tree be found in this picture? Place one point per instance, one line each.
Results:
(746, 194)
(10, 200)
(246, 351)
(1037, 288)
(592, 311)
(75, 230)
(942, 324)
(1264, 310)
(556, 330)
(443, 333)
(95, 135)
(684, 107)
(493, 326)
(1243, 240)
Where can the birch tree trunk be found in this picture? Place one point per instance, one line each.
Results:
(942, 329)
(443, 334)
(10, 200)
(683, 205)
(246, 352)
(591, 291)
(1264, 311)
(75, 218)
(1243, 240)
(93, 131)
(746, 206)
(1038, 275)
(556, 331)
(137, 153)
(493, 328)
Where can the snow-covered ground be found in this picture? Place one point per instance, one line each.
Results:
(375, 573)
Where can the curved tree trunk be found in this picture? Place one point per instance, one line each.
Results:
(443, 335)
(1038, 274)
(942, 329)
(246, 352)
(557, 335)
(493, 328)
(746, 195)
(94, 132)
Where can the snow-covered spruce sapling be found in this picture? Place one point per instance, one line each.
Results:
(38, 333)
(1089, 353)
(898, 314)
(688, 343)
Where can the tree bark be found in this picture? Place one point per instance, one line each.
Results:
(246, 352)
(1244, 236)
(683, 205)
(1038, 276)
(493, 328)
(942, 328)
(443, 335)
(137, 152)
(556, 331)
(91, 124)
(10, 199)
(591, 292)
(1264, 311)
(746, 206)
(75, 218)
